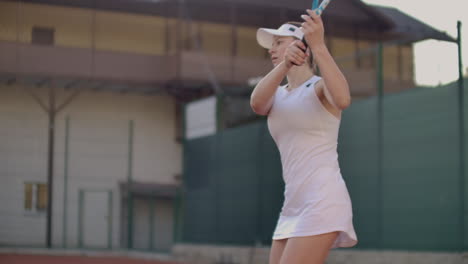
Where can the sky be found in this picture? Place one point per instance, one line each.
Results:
(436, 62)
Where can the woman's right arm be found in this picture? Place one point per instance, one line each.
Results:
(262, 96)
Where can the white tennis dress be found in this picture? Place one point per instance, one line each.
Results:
(316, 199)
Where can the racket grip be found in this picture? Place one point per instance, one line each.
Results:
(305, 44)
(304, 50)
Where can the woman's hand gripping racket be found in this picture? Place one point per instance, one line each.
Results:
(318, 10)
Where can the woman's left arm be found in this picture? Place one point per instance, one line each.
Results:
(335, 86)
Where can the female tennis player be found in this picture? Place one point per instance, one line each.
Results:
(304, 118)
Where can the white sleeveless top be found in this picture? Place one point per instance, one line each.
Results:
(316, 198)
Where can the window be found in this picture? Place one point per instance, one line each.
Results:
(35, 197)
(42, 36)
(28, 189)
(41, 197)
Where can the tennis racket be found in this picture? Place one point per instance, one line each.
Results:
(318, 10)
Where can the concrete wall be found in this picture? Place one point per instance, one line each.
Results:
(74, 27)
(98, 156)
(23, 146)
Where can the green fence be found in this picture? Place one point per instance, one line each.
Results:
(233, 187)
(405, 182)
(403, 172)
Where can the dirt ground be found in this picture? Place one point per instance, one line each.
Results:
(44, 259)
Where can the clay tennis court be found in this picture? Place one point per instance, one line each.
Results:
(42, 259)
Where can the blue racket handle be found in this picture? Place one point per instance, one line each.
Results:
(315, 4)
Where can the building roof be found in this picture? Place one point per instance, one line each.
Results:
(249, 12)
(393, 23)
(408, 27)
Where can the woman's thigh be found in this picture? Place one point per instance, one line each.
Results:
(308, 249)
(277, 248)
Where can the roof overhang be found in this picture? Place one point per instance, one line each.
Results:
(150, 190)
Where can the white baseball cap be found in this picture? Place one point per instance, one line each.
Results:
(265, 35)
